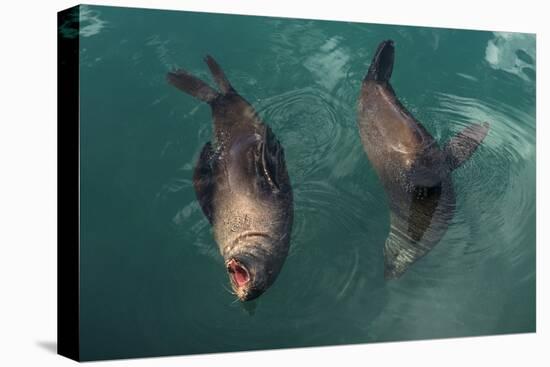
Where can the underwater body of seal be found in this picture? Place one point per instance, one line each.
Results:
(152, 279)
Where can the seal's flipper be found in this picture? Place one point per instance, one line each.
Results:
(192, 85)
(381, 66)
(270, 164)
(461, 147)
(203, 180)
(219, 75)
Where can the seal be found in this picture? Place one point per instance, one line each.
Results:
(242, 185)
(414, 171)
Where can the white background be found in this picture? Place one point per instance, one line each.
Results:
(28, 182)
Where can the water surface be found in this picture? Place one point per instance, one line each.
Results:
(153, 282)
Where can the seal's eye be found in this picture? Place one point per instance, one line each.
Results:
(238, 272)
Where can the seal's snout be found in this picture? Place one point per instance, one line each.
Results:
(391, 273)
(238, 272)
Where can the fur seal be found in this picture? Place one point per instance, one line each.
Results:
(415, 172)
(242, 185)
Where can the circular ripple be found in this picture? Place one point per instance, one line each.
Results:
(311, 125)
(494, 189)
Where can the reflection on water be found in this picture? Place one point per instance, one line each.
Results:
(161, 285)
(328, 64)
(513, 53)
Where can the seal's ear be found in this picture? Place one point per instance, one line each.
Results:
(461, 147)
(192, 85)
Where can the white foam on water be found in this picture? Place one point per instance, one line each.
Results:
(502, 53)
(329, 65)
(90, 23)
(468, 76)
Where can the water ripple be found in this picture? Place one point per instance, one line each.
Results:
(497, 181)
(313, 127)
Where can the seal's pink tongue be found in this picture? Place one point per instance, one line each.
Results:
(239, 273)
(240, 276)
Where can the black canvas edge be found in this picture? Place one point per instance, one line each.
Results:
(68, 184)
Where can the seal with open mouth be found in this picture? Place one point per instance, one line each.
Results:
(242, 185)
(414, 170)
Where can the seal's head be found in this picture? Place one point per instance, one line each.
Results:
(251, 272)
(392, 269)
(396, 260)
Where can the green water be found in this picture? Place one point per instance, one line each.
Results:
(152, 280)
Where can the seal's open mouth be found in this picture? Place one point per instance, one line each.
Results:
(238, 273)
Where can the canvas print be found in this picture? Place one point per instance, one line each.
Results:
(235, 183)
